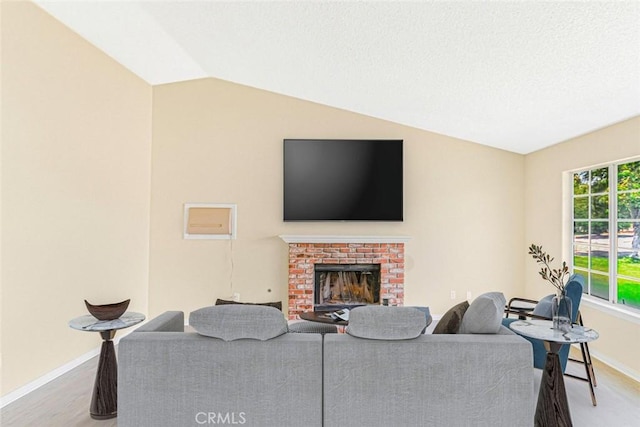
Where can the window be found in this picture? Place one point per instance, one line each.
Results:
(606, 231)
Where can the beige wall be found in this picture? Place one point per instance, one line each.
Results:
(76, 152)
(219, 142)
(619, 341)
(78, 170)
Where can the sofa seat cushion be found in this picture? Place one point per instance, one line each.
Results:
(484, 315)
(234, 322)
(386, 323)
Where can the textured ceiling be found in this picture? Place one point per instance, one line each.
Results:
(514, 75)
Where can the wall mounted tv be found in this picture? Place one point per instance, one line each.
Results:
(342, 180)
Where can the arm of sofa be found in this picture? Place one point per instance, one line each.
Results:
(169, 321)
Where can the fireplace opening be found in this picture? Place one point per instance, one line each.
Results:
(338, 286)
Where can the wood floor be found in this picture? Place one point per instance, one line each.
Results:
(617, 395)
(64, 402)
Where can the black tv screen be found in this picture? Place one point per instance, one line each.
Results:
(342, 180)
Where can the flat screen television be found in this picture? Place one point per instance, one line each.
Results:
(343, 180)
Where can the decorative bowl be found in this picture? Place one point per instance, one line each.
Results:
(107, 311)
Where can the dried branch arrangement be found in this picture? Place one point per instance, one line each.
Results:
(556, 276)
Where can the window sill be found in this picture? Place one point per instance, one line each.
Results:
(612, 309)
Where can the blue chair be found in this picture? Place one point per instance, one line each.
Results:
(542, 310)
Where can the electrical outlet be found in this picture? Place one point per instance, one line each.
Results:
(453, 294)
(468, 295)
(236, 297)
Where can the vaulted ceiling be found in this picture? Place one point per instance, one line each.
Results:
(519, 75)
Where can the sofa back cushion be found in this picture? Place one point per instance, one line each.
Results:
(484, 315)
(234, 322)
(386, 323)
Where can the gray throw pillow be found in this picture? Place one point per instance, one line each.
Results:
(386, 323)
(543, 308)
(498, 298)
(484, 315)
(276, 304)
(427, 314)
(451, 320)
(234, 322)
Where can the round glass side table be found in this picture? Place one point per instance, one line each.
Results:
(104, 402)
(552, 408)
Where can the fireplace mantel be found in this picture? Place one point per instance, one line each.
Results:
(297, 238)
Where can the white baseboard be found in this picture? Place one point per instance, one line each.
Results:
(50, 376)
(614, 364)
(39, 382)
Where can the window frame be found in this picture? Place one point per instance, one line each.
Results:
(611, 304)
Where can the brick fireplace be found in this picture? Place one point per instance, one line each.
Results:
(307, 251)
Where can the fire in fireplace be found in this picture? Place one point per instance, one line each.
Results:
(339, 286)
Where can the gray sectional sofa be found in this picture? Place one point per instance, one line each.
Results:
(244, 368)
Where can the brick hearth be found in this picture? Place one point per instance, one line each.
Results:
(303, 256)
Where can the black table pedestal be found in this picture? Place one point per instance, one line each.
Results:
(104, 403)
(552, 409)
